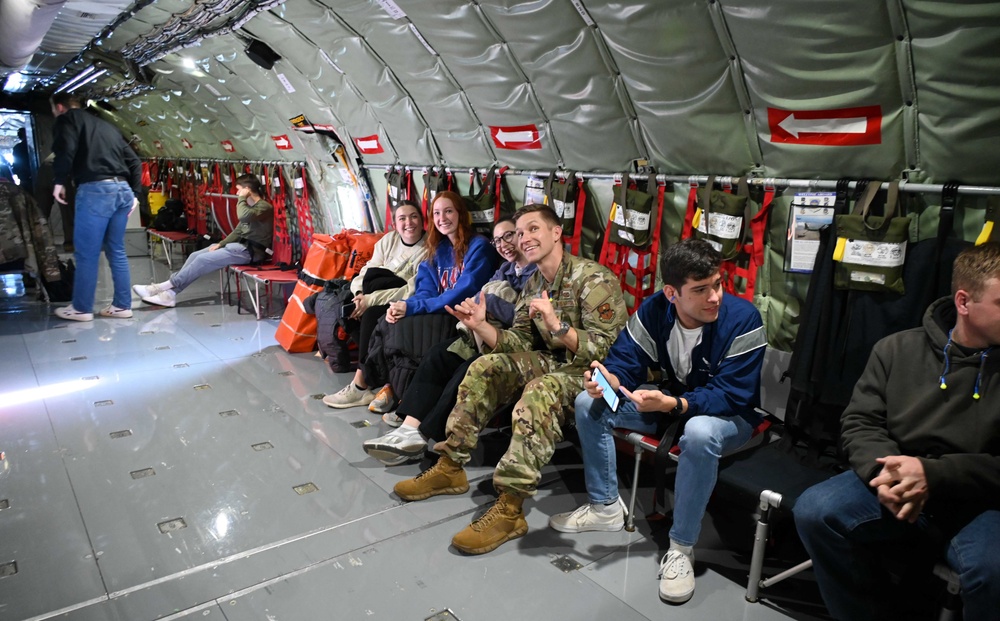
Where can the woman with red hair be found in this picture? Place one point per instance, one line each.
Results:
(458, 264)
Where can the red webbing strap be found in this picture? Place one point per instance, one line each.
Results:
(688, 230)
(201, 200)
(581, 201)
(751, 257)
(282, 242)
(449, 184)
(302, 210)
(498, 191)
(616, 257)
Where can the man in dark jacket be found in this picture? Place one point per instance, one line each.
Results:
(922, 434)
(709, 347)
(107, 174)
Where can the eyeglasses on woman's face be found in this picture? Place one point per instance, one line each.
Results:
(507, 238)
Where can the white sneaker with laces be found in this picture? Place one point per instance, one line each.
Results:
(349, 396)
(164, 298)
(397, 446)
(676, 576)
(589, 518)
(68, 312)
(146, 291)
(115, 312)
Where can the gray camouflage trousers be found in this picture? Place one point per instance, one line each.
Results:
(547, 389)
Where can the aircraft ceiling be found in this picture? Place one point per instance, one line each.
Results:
(784, 88)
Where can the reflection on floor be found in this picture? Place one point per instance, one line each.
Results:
(181, 465)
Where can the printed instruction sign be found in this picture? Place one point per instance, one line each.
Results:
(810, 213)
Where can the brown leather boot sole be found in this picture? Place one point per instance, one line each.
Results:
(520, 531)
(461, 489)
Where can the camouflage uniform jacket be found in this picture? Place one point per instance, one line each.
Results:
(584, 294)
(24, 233)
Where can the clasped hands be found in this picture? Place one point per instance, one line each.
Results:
(901, 486)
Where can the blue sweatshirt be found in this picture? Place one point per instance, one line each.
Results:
(441, 282)
(725, 367)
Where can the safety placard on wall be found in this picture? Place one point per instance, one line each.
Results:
(282, 142)
(369, 145)
(228, 147)
(158, 144)
(838, 127)
(186, 143)
(517, 137)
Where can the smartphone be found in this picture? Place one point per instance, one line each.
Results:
(610, 394)
(349, 308)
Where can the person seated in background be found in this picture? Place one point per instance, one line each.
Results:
(710, 347)
(458, 264)
(922, 436)
(568, 313)
(432, 392)
(388, 276)
(250, 242)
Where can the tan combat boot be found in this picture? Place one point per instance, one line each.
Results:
(503, 522)
(444, 477)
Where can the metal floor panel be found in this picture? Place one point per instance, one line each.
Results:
(196, 413)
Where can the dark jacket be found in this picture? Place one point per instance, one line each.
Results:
(90, 149)
(899, 408)
(725, 367)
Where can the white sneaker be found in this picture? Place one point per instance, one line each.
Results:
(676, 576)
(164, 298)
(68, 312)
(396, 447)
(349, 396)
(115, 312)
(590, 518)
(146, 291)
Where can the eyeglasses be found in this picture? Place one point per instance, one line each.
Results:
(507, 238)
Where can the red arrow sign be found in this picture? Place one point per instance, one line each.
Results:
(843, 127)
(517, 137)
(187, 145)
(369, 145)
(282, 142)
(158, 144)
(228, 147)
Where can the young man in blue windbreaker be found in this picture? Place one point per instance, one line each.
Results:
(709, 348)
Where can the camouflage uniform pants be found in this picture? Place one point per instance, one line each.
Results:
(547, 388)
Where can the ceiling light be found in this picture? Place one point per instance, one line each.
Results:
(90, 79)
(188, 63)
(83, 74)
(15, 82)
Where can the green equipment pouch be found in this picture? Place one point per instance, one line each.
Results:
(561, 197)
(721, 218)
(632, 214)
(870, 250)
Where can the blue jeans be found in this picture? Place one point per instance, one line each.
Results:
(101, 215)
(840, 519)
(705, 440)
(204, 261)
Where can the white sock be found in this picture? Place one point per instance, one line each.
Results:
(687, 550)
(406, 430)
(165, 285)
(607, 510)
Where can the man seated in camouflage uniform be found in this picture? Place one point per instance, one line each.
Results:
(569, 313)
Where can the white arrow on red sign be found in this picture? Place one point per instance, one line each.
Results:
(369, 145)
(518, 137)
(187, 145)
(227, 145)
(840, 127)
(282, 142)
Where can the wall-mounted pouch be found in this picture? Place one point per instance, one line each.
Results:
(720, 217)
(631, 213)
(870, 250)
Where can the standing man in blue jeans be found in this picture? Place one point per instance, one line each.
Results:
(709, 348)
(108, 175)
(922, 435)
